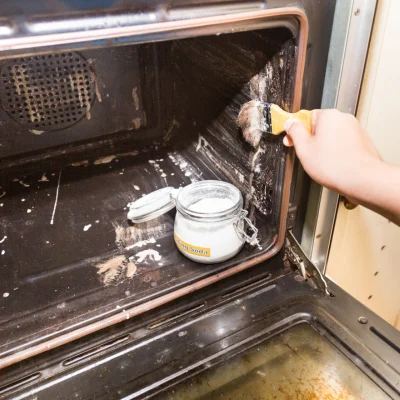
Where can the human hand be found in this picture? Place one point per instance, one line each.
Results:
(337, 152)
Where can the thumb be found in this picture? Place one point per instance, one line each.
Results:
(297, 132)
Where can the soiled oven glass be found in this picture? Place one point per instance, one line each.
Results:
(297, 364)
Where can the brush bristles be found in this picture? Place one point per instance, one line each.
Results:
(252, 121)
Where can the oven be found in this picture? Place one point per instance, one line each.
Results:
(103, 103)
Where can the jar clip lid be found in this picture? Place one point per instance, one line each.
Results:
(153, 205)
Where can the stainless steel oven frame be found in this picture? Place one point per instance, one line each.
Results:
(351, 33)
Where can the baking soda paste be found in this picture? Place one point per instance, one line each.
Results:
(208, 241)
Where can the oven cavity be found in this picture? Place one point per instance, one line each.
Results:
(167, 118)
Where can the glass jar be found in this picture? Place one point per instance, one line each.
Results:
(210, 219)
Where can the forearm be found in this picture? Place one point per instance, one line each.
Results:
(378, 188)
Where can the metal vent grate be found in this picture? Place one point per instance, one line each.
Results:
(47, 92)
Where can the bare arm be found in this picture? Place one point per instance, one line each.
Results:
(341, 156)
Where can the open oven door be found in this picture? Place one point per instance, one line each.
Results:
(267, 324)
(269, 334)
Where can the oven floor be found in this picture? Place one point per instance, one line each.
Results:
(69, 255)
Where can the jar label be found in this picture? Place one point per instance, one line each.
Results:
(189, 248)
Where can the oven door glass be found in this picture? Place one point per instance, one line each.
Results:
(296, 364)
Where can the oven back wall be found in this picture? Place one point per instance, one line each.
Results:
(57, 99)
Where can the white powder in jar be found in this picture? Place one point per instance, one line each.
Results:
(211, 205)
(208, 241)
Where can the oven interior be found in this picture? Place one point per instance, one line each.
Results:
(84, 133)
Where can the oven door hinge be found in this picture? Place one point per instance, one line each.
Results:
(297, 257)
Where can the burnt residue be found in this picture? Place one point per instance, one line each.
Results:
(128, 234)
(267, 164)
(116, 270)
(216, 76)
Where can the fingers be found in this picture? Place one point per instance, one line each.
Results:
(315, 115)
(287, 141)
(296, 132)
(293, 129)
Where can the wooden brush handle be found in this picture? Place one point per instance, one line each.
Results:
(279, 117)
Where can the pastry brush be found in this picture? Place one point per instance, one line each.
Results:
(256, 118)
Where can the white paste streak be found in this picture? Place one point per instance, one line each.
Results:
(141, 243)
(56, 200)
